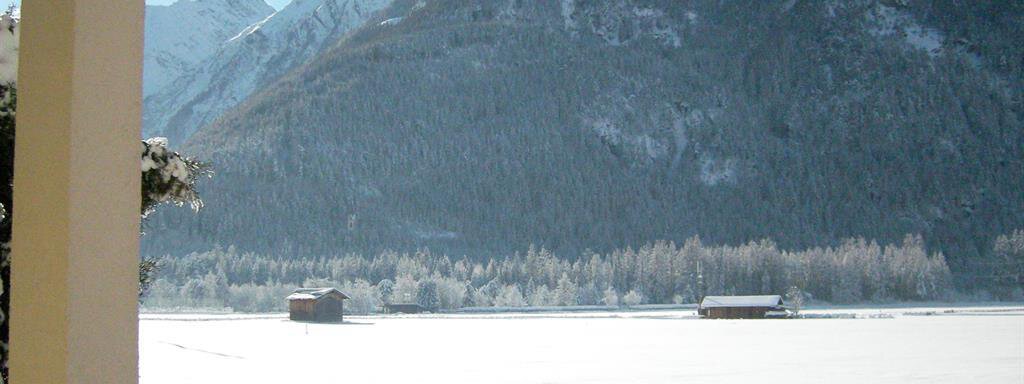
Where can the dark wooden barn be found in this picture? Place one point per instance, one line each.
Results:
(404, 308)
(740, 307)
(316, 304)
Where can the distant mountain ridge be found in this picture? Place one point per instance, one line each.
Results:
(249, 61)
(480, 127)
(183, 34)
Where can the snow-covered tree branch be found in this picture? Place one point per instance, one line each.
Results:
(168, 177)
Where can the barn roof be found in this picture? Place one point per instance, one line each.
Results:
(314, 293)
(741, 301)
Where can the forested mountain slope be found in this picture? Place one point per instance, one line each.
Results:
(480, 127)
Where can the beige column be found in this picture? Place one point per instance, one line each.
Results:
(76, 195)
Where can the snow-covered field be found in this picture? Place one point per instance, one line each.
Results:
(890, 345)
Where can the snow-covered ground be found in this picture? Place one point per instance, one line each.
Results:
(883, 345)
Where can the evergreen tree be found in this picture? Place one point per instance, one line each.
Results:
(385, 288)
(1009, 265)
(426, 295)
(566, 293)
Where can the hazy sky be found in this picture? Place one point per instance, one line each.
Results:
(277, 4)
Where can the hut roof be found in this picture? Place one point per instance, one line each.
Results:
(314, 293)
(741, 301)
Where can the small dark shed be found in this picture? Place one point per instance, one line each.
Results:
(404, 308)
(740, 307)
(316, 304)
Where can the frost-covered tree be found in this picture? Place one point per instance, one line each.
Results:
(541, 296)
(450, 292)
(510, 296)
(215, 289)
(610, 297)
(632, 298)
(363, 298)
(194, 291)
(794, 299)
(405, 290)
(318, 282)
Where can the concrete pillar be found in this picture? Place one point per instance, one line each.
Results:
(75, 238)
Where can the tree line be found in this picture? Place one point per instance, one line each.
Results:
(663, 272)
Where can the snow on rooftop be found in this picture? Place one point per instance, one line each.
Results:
(313, 293)
(741, 301)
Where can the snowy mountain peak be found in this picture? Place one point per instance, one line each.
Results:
(183, 34)
(252, 56)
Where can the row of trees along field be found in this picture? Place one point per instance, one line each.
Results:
(659, 273)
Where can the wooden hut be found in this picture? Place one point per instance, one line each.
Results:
(740, 307)
(404, 308)
(316, 304)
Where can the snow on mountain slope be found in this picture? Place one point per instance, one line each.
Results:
(479, 127)
(620, 22)
(888, 21)
(257, 55)
(183, 34)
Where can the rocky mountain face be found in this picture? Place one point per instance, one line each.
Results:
(181, 35)
(250, 60)
(481, 127)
